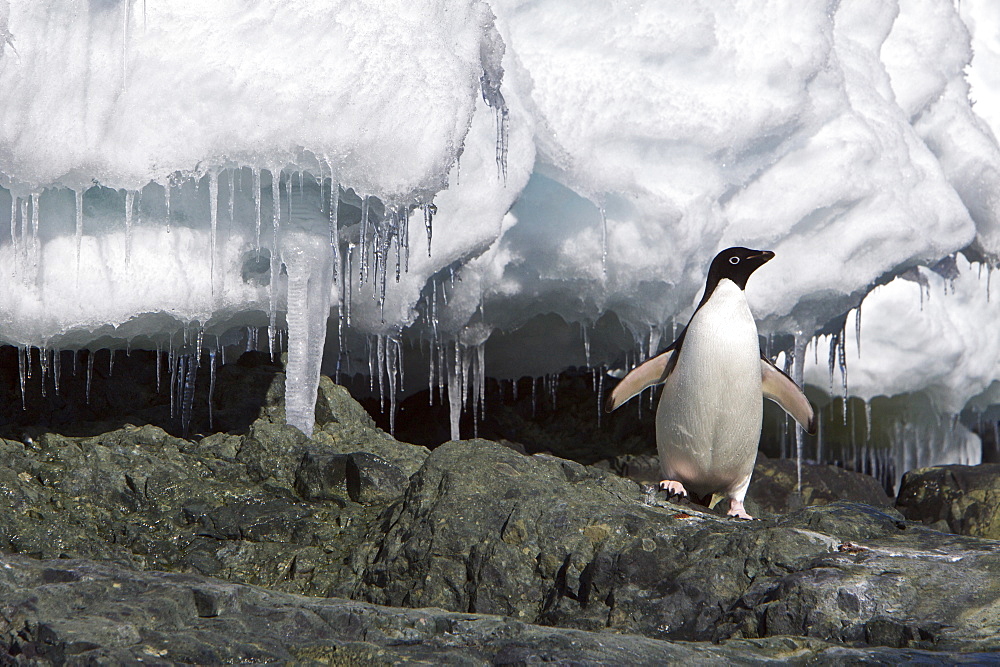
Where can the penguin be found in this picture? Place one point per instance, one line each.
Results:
(715, 378)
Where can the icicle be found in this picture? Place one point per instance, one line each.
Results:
(79, 231)
(363, 250)
(380, 338)
(834, 344)
(211, 386)
(22, 361)
(129, 201)
(57, 369)
(868, 420)
(275, 259)
(310, 280)
(13, 232)
(213, 203)
(392, 362)
(842, 362)
(36, 220)
(443, 377)
(335, 232)
(429, 211)
(90, 372)
(455, 394)
(166, 200)
(198, 345)
(256, 204)
(43, 367)
(798, 373)
(25, 234)
(111, 362)
(346, 283)
(187, 396)
(857, 328)
(159, 353)
(600, 372)
(481, 377)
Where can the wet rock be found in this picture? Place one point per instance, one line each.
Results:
(482, 529)
(774, 483)
(322, 476)
(773, 486)
(82, 612)
(226, 506)
(473, 527)
(371, 479)
(956, 498)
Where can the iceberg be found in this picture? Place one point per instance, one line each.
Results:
(439, 192)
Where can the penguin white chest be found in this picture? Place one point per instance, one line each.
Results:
(709, 416)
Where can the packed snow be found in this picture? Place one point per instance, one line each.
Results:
(509, 188)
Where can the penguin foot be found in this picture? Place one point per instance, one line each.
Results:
(673, 488)
(736, 509)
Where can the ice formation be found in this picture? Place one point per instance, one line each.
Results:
(507, 188)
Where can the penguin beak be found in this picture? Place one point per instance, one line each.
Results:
(765, 256)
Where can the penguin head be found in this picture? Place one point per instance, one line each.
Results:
(736, 264)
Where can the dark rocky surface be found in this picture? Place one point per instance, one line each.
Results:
(773, 489)
(956, 498)
(136, 544)
(484, 529)
(85, 613)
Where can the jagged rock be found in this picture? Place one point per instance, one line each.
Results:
(472, 527)
(483, 529)
(371, 479)
(956, 498)
(343, 426)
(82, 612)
(773, 486)
(364, 477)
(225, 506)
(322, 476)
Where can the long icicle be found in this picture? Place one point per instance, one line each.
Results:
(275, 259)
(213, 203)
(798, 373)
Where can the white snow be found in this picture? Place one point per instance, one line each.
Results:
(585, 161)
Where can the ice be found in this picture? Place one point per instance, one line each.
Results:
(310, 280)
(607, 152)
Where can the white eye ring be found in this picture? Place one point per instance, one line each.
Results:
(734, 260)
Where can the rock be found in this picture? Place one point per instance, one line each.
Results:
(473, 527)
(371, 479)
(956, 498)
(482, 529)
(322, 475)
(773, 486)
(364, 477)
(83, 612)
(226, 506)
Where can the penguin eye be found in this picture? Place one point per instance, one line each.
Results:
(734, 260)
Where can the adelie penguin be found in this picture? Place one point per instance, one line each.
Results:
(715, 378)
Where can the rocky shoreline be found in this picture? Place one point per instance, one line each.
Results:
(353, 548)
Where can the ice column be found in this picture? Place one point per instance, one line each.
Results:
(309, 262)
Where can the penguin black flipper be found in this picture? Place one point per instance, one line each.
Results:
(651, 372)
(782, 390)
